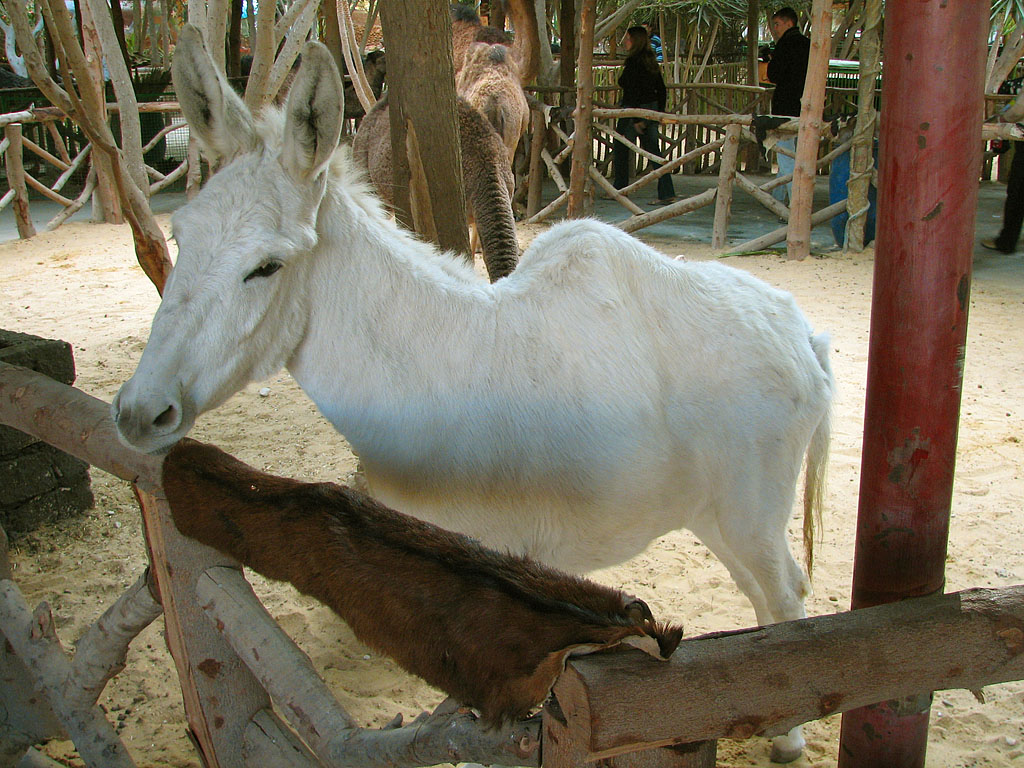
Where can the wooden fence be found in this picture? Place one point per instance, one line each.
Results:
(235, 664)
(60, 149)
(695, 135)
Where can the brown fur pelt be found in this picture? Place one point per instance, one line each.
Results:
(486, 175)
(491, 630)
(489, 81)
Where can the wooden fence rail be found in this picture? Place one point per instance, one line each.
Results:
(19, 180)
(621, 708)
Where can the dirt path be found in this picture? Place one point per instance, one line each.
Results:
(81, 284)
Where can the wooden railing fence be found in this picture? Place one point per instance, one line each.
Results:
(238, 669)
(70, 159)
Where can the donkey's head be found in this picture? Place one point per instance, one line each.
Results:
(234, 307)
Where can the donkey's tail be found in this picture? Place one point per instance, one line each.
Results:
(817, 456)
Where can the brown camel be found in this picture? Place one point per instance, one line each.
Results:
(467, 29)
(486, 175)
(489, 81)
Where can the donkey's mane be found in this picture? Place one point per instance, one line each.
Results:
(350, 183)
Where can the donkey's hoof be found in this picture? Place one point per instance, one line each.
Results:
(786, 749)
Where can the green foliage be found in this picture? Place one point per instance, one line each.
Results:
(1007, 10)
(732, 13)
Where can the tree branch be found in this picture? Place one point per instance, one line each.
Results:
(36, 644)
(100, 653)
(301, 695)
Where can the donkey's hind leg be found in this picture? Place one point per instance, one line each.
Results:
(754, 549)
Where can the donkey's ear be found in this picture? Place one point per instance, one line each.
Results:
(313, 115)
(215, 113)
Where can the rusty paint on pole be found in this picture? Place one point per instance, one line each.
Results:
(928, 183)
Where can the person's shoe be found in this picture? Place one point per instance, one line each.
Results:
(663, 201)
(990, 243)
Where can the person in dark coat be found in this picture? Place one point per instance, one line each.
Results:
(1013, 208)
(643, 87)
(787, 69)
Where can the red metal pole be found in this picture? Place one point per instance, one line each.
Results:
(929, 160)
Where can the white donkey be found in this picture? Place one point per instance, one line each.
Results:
(597, 398)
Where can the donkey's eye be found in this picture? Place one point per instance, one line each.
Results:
(263, 270)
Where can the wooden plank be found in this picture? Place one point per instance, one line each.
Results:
(33, 637)
(538, 133)
(669, 211)
(764, 681)
(45, 191)
(777, 235)
(765, 199)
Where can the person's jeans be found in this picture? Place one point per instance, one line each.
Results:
(1013, 209)
(786, 163)
(622, 156)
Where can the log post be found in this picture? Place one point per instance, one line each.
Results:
(929, 156)
(563, 748)
(582, 149)
(220, 694)
(726, 178)
(862, 157)
(538, 132)
(812, 102)
(16, 180)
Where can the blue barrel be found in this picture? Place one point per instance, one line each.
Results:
(837, 179)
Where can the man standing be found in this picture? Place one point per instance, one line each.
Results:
(787, 69)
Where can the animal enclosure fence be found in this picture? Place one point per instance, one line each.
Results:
(709, 140)
(60, 149)
(242, 677)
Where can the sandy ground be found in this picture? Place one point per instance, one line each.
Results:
(81, 284)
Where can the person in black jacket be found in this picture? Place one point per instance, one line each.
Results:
(1013, 208)
(642, 87)
(787, 69)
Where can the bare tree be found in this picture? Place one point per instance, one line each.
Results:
(87, 108)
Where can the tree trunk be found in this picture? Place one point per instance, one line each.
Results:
(752, 155)
(117, 19)
(16, 181)
(217, 31)
(264, 49)
(567, 56)
(128, 113)
(106, 205)
(582, 148)
(862, 156)
(332, 33)
(496, 18)
(798, 244)
(421, 88)
(548, 72)
(234, 52)
(88, 110)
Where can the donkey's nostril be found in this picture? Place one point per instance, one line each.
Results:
(169, 418)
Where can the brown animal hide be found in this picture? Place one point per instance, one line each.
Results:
(491, 630)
